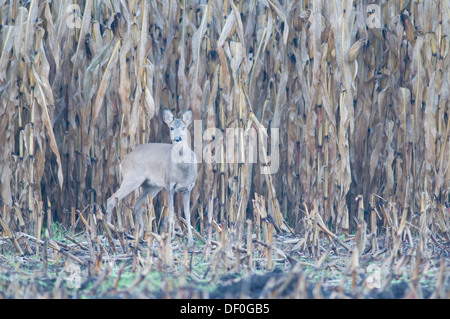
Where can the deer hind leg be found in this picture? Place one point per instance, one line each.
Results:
(128, 185)
(146, 191)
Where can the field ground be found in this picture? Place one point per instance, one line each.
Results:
(88, 265)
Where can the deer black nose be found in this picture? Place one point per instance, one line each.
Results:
(178, 139)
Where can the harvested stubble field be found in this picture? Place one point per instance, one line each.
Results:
(355, 99)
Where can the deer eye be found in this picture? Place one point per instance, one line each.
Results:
(172, 128)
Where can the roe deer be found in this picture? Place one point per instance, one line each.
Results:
(155, 166)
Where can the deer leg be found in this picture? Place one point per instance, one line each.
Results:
(187, 214)
(170, 210)
(146, 190)
(127, 186)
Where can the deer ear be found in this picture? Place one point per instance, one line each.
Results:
(187, 117)
(167, 116)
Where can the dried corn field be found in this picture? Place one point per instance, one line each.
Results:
(358, 92)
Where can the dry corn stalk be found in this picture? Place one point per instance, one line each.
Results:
(360, 110)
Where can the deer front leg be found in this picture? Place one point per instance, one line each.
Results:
(187, 214)
(170, 210)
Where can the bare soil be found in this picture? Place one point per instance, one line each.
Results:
(77, 271)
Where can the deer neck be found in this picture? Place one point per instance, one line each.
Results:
(182, 154)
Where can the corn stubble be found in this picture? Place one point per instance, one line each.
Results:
(364, 126)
